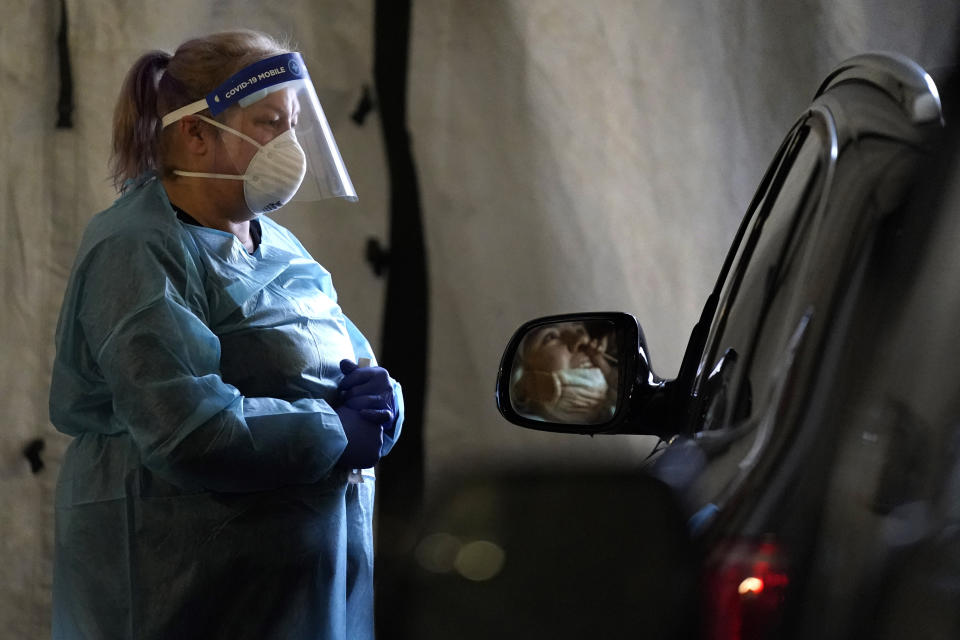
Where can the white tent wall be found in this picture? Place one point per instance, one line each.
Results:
(571, 156)
(599, 156)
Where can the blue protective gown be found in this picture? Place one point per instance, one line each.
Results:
(200, 497)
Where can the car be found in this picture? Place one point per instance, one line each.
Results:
(807, 481)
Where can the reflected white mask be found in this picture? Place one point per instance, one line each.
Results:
(273, 175)
(580, 389)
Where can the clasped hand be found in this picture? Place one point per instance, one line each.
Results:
(366, 408)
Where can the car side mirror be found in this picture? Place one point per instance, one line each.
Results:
(582, 373)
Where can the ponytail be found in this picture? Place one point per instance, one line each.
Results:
(136, 121)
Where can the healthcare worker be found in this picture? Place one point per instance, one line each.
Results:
(219, 482)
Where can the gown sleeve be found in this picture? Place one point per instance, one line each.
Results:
(144, 328)
(362, 348)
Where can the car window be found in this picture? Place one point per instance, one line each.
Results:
(743, 364)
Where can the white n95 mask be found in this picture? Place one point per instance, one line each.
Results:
(273, 175)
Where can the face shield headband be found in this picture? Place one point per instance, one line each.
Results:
(254, 90)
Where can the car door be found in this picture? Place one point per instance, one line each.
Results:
(847, 162)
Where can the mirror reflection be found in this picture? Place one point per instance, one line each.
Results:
(567, 372)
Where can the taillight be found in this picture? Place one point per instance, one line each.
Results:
(744, 588)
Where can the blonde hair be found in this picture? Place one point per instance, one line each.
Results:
(158, 83)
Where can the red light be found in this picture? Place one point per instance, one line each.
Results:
(744, 589)
(752, 584)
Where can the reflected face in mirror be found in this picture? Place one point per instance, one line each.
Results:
(566, 372)
(557, 346)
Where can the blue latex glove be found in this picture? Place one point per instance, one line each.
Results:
(364, 439)
(369, 391)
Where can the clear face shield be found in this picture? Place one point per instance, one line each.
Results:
(278, 141)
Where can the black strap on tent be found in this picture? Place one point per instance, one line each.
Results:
(363, 108)
(404, 350)
(65, 102)
(32, 451)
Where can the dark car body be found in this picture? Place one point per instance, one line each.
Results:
(812, 454)
(811, 436)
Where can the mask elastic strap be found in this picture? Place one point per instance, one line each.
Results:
(225, 176)
(191, 109)
(233, 131)
(196, 174)
(188, 110)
